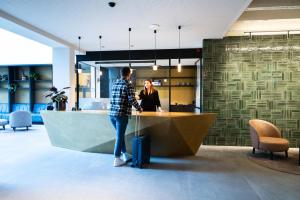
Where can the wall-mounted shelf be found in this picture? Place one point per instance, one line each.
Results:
(28, 91)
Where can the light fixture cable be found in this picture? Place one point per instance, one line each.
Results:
(179, 59)
(155, 65)
(129, 56)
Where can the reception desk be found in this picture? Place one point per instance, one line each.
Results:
(172, 133)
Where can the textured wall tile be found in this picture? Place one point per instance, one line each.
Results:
(252, 78)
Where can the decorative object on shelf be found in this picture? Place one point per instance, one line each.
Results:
(34, 76)
(13, 88)
(24, 77)
(4, 77)
(58, 97)
(179, 67)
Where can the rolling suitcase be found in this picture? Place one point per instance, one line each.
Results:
(140, 146)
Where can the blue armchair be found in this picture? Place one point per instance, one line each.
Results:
(4, 111)
(21, 106)
(36, 116)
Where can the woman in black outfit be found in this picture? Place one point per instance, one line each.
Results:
(149, 97)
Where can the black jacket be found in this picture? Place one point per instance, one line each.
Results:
(149, 102)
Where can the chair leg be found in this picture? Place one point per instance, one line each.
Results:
(286, 154)
(14, 128)
(27, 128)
(3, 127)
(253, 150)
(271, 155)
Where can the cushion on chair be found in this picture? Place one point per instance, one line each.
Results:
(273, 144)
(3, 122)
(4, 116)
(21, 106)
(4, 108)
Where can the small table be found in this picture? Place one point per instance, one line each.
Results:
(3, 122)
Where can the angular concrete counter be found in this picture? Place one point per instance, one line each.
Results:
(172, 133)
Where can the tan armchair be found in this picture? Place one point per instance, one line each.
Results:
(267, 137)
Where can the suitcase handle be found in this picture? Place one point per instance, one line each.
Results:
(137, 124)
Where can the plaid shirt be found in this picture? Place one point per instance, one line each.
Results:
(122, 98)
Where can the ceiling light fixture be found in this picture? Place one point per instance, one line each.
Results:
(79, 69)
(155, 66)
(279, 32)
(179, 67)
(100, 72)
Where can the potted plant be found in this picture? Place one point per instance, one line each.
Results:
(13, 88)
(34, 76)
(58, 97)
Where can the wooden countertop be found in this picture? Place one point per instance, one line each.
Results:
(143, 114)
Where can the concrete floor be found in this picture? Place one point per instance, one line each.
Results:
(30, 168)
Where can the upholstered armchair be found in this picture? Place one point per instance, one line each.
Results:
(266, 136)
(20, 119)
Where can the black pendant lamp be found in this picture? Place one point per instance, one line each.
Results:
(79, 69)
(100, 56)
(129, 56)
(179, 67)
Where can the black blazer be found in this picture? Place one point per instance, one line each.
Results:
(149, 102)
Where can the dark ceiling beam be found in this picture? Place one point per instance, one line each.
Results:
(141, 54)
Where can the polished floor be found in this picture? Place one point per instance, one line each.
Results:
(31, 169)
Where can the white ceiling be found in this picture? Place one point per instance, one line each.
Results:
(267, 16)
(64, 20)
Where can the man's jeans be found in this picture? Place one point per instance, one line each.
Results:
(120, 124)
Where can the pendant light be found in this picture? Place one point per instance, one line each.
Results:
(100, 72)
(79, 69)
(129, 56)
(155, 66)
(179, 67)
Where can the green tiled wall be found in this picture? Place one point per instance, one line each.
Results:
(252, 78)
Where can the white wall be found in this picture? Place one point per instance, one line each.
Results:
(64, 72)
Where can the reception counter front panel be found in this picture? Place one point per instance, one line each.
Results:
(172, 133)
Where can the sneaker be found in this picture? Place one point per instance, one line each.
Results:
(126, 157)
(118, 162)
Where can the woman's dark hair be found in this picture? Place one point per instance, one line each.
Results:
(125, 71)
(151, 87)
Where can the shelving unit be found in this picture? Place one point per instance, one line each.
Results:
(178, 93)
(29, 91)
(4, 85)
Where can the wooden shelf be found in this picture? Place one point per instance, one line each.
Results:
(21, 81)
(182, 86)
(42, 81)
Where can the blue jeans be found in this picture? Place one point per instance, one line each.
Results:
(120, 124)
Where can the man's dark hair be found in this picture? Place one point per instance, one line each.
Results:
(125, 71)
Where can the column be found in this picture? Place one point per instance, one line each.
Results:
(63, 60)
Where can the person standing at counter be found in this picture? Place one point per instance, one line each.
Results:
(150, 98)
(122, 99)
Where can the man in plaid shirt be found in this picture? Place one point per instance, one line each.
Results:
(122, 99)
